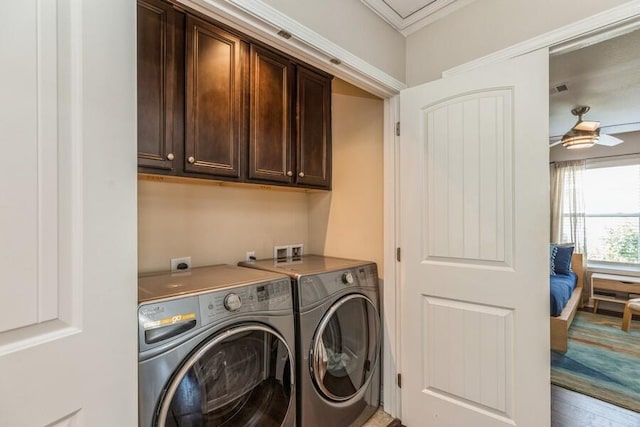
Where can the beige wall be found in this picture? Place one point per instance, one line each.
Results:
(486, 26)
(348, 222)
(215, 224)
(352, 26)
(218, 223)
(631, 145)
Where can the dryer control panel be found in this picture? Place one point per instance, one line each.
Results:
(314, 289)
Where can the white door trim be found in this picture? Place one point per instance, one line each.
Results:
(390, 292)
(610, 23)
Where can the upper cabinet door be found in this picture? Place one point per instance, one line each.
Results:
(313, 145)
(214, 111)
(270, 156)
(156, 84)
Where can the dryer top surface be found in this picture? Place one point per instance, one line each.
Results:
(308, 265)
(198, 280)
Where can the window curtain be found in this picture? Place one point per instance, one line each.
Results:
(567, 204)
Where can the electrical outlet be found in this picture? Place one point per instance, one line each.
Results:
(281, 253)
(250, 256)
(296, 251)
(180, 264)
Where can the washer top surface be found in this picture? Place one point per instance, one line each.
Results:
(158, 286)
(308, 265)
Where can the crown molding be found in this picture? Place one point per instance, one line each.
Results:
(616, 21)
(263, 22)
(438, 9)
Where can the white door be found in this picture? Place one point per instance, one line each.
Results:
(68, 213)
(474, 233)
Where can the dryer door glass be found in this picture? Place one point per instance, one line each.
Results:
(346, 347)
(241, 377)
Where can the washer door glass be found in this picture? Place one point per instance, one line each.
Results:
(242, 377)
(345, 348)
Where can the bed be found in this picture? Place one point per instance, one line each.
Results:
(561, 322)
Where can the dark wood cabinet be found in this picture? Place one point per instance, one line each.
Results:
(214, 111)
(270, 156)
(214, 104)
(313, 130)
(157, 84)
(281, 150)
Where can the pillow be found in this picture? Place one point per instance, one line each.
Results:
(562, 259)
(553, 251)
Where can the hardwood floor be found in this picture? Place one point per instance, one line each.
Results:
(571, 409)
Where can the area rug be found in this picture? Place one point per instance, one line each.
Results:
(602, 361)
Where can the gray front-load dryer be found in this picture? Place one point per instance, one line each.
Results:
(339, 339)
(216, 348)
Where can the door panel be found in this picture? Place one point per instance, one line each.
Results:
(479, 344)
(474, 222)
(215, 87)
(468, 174)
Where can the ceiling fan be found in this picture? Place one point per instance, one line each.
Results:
(586, 133)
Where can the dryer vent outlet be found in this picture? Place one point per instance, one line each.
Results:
(296, 251)
(281, 253)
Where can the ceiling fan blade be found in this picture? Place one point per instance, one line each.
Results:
(586, 125)
(553, 142)
(609, 140)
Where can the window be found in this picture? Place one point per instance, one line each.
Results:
(612, 211)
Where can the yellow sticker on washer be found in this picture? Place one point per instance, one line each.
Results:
(172, 320)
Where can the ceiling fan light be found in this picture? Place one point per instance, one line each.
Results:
(579, 144)
(588, 126)
(575, 139)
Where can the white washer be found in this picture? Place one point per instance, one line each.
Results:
(216, 348)
(339, 339)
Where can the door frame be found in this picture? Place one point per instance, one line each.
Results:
(259, 19)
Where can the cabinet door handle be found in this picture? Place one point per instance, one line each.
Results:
(170, 156)
(191, 160)
(289, 173)
(301, 174)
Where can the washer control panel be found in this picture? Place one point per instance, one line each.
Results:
(164, 321)
(268, 296)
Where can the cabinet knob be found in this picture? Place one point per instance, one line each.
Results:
(191, 160)
(170, 156)
(301, 174)
(289, 173)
